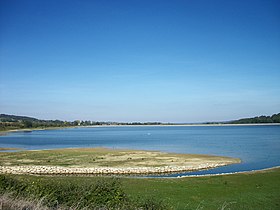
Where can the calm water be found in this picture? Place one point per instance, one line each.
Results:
(257, 146)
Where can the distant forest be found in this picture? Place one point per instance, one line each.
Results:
(261, 119)
(10, 122)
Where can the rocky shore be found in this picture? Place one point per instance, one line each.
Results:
(58, 170)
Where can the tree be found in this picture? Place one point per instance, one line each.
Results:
(27, 124)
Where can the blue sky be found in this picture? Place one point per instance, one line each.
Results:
(169, 61)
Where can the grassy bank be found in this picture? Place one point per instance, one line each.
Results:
(30, 192)
(259, 190)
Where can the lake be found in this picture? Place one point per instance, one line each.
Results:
(257, 146)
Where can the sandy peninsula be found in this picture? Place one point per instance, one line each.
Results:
(106, 161)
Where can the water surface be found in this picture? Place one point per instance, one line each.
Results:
(257, 146)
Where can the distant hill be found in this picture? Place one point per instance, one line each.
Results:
(15, 118)
(260, 119)
(9, 122)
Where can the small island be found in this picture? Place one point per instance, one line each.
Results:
(106, 161)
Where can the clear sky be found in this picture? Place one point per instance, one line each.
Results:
(140, 60)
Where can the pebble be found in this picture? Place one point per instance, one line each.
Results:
(51, 170)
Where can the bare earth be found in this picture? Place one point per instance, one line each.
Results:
(105, 161)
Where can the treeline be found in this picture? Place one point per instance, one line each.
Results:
(261, 119)
(9, 122)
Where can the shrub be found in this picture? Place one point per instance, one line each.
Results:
(62, 194)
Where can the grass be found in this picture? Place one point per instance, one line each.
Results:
(7, 202)
(69, 193)
(97, 157)
(258, 190)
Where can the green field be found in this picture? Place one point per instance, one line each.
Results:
(258, 190)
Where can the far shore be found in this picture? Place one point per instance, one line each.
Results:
(185, 125)
(3, 132)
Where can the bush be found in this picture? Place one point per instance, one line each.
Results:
(58, 193)
(102, 193)
(153, 204)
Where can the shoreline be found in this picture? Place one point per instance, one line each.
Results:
(59, 170)
(3, 133)
(230, 173)
(107, 161)
(126, 170)
(105, 171)
(162, 125)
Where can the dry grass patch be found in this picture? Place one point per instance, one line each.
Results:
(99, 157)
(8, 148)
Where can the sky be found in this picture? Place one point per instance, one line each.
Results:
(140, 60)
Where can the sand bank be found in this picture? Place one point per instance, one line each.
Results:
(106, 161)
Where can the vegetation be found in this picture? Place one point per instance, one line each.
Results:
(71, 192)
(261, 119)
(98, 157)
(239, 191)
(10, 122)
(255, 190)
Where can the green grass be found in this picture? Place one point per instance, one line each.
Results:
(239, 191)
(260, 190)
(71, 192)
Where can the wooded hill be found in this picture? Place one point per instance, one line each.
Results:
(261, 119)
(9, 122)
